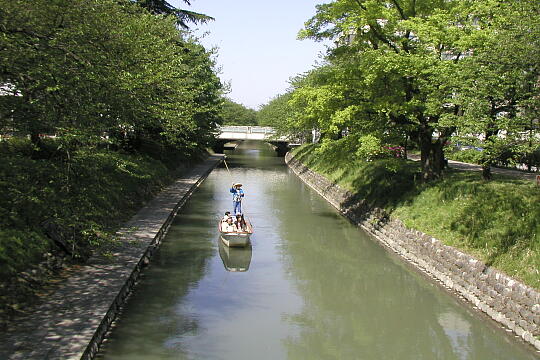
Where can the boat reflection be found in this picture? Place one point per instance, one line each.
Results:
(235, 259)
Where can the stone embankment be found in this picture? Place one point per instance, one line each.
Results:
(506, 300)
(73, 321)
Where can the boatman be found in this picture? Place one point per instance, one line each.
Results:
(238, 195)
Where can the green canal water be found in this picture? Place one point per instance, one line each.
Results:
(311, 286)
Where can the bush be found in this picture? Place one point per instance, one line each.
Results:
(471, 156)
(73, 204)
(17, 146)
(370, 148)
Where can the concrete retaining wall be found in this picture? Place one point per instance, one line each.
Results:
(506, 300)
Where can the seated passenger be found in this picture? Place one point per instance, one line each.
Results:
(228, 226)
(227, 216)
(240, 223)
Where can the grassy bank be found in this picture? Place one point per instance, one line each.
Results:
(65, 204)
(497, 221)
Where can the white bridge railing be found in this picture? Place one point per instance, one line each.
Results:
(263, 133)
(248, 133)
(247, 129)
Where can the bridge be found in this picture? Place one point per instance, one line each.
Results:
(227, 134)
(248, 133)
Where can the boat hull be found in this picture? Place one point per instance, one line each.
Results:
(235, 239)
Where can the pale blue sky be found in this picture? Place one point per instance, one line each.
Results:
(258, 51)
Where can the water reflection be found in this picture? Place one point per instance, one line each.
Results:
(155, 318)
(235, 259)
(312, 286)
(363, 303)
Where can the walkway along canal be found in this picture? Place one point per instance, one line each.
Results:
(312, 286)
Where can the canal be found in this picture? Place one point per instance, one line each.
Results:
(311, 286)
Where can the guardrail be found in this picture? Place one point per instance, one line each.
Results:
(247, 129)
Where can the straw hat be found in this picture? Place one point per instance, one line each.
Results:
(237, 184)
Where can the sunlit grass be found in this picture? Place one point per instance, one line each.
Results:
(496, 221)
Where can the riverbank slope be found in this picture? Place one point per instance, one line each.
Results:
(71, 322)
(59, 205)
(376, 194)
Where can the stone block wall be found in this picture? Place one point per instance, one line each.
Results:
(506, 300)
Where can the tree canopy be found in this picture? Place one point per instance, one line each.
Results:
(275, 113)
(121, 70)
(233, 113)
(114, 98)
(183, 16)
(423, 72)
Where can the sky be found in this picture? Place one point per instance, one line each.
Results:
(257, 47)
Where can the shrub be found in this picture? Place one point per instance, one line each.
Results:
(72, 204)
(472, 156)
(371, 148)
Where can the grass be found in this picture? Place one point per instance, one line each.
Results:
(68, 204)
(496, 221)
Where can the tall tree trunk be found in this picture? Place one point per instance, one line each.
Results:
(490, 133)
(34, 137)
(405, 147)
(431, 155)
(486, 171)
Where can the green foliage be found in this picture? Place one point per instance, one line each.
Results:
(275, 113)
(387, 76)
(70, 202)
(370, 148)
(337, 150)
(237, 114)
(425, 72)
(19, 248)
(470, 156)
(183, 16)
(113, 99)
(497, 221)
(121, 71)
(494, 88)
(381, 183)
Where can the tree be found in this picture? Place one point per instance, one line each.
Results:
(183, 17)
(497, 90)
(122, 70)
(237, 114)
(424, 70)
(275, 113)
(398, 52)
(116, 88)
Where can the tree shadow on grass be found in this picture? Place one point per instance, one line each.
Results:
(382, 185)
(498, 215)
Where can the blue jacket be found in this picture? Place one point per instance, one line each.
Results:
(238, 194)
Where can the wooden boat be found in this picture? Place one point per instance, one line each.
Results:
(235, 259)
(236, 238)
